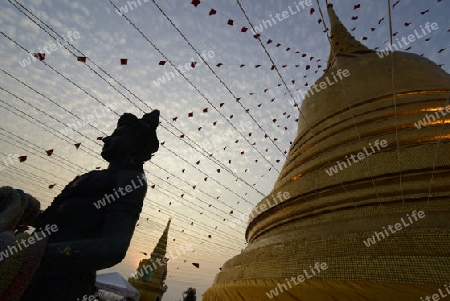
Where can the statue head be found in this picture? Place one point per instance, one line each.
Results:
(133, 141)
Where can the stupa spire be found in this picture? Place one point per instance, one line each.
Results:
(161, 246)
(341, 40)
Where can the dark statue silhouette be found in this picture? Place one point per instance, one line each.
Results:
(190, 294)
(91, 237)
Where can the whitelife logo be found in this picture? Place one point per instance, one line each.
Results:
(302, 277)
(184, 68)
(280, 17)
(319, 86)
(11, 250)
(371, 240)
(282, 196)
(53, 47)
(334, 169)
(429, 118)
(129, 188)
(411, 38)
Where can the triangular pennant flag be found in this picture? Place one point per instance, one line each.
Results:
(22, 158)
(40, 56)
(81, 59)
(49, 152)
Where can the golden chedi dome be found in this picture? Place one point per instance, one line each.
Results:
(360, 210)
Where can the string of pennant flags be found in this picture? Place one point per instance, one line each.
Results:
(243, 29)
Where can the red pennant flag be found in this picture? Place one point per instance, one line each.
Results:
(153, 186)
(269, 41)
(51, 186)
(77, 145)
(311, 11)
(182, 136)
(193, 64)
(123, 61)
(40, 56)
(219, 64)
(49, 152)
(81, 59)
(190, 114)
(175, 118)
(221, 104)
(195, 2)
(98, 167)
(212, 12)
(198, 162)
(22, 158)
(100, 138)
(162, 63)
(205, 110)
(244, 29)
(218, 170)
(164, 142)
(356, 6)
(231, 212)
(197, 265)
(214, 123)
(230, 22)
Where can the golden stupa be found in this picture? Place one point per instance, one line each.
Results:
(368, 212)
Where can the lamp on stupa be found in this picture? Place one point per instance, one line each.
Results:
(368, 211)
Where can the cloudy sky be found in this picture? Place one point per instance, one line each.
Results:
(226, 123)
